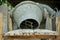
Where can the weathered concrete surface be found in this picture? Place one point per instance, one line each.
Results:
(4, 10)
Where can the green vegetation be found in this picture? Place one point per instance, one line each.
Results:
(3, 2)
(10, 7)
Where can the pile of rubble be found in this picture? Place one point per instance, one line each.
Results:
(28, 32)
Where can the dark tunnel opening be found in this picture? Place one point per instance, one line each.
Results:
(29, 24)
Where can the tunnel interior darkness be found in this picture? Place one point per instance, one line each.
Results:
(29, 24)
